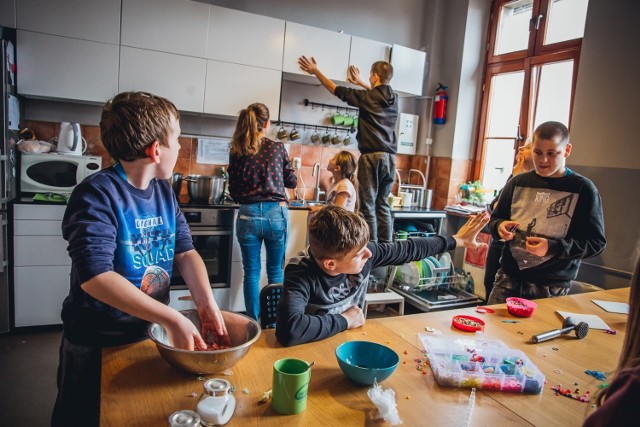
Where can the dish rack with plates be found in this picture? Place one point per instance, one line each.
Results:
(439, 289)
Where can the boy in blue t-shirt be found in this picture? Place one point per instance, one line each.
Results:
(125, 231)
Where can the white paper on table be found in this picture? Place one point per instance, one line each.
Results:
(592, 320)
(612, 307)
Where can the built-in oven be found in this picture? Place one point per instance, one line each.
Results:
(212, 233)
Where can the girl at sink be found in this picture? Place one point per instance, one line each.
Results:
(259, 171)
(344, 191)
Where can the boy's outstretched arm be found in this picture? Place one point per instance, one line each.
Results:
(310, 66)
(466, 236)
(354, 77)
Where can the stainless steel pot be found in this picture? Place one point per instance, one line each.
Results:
(176, 182)
(205, 189)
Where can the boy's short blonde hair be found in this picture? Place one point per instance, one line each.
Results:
(384, 70)
(132, 121)
(334, 232)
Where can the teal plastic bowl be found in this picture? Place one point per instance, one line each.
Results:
(364, 362)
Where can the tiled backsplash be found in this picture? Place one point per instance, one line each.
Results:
(445, 174)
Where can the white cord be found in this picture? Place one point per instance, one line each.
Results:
(472, 402)
(299, 187)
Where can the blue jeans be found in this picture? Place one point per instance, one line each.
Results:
(261, 222)
(376, 173)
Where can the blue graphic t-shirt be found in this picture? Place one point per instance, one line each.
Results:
(113, 226)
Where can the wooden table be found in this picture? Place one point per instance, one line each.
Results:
(140, 389)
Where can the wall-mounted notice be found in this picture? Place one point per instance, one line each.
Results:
(213, 151)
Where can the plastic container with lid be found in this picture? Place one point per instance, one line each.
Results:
(216, 405)
(184, 418)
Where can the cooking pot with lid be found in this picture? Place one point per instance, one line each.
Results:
(176, 182)
(205, 189)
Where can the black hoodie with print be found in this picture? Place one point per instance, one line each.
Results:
(377, 117)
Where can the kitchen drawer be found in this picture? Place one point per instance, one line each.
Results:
(40, 251)
(39, 293)
(30, 227)
(46, 212)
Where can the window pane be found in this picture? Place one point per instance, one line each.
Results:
(554, 93)
(566, 20)
(498, 163)
(513, 27)
(504, 104)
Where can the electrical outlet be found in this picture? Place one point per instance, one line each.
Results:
(428, 141)
(297, 162)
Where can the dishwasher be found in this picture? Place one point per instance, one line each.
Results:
(442, 288)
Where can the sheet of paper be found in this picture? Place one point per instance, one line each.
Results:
(594, 321)
(612, 307)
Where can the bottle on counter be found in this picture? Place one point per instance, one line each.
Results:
(216, 405)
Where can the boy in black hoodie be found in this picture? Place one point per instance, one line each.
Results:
(376, 138)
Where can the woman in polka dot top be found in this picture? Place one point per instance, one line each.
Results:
(259, 171)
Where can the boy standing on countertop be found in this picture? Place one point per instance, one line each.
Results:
(377, 116)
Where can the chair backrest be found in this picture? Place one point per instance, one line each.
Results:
(269, 297)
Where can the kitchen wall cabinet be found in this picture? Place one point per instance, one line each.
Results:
(329, 48)
(231, 87)
(94, 20)
(8, 13)
(41, 265)
(173, 26)
(365, 52)
(245, 38)
(408, 70)
(176, 77)
(61, 67)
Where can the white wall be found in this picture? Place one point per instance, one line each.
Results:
(604, 132)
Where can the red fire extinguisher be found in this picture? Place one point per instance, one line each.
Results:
(440, 105)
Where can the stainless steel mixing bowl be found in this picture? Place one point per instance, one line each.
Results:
(243, 332)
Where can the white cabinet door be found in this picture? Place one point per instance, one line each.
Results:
(31, 211)
(176, 77)
(245, 38)
(40, 251)
(60, 67)
(408, 70)
(8, 13)
(365, 52)
(174, 26)
(221, 295)
(95, 20)
(297, 239)
(329, 48)
(232, 87)
(39, 293)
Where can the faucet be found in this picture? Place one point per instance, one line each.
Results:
(317, 192)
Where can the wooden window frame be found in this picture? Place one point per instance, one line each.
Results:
(524, 60)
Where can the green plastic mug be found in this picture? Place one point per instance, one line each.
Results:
(290, 384)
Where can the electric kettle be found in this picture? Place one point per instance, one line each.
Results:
(70, 140)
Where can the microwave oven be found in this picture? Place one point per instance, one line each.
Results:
(55, 173)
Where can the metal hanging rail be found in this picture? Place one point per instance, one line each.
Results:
(307, 125)
(329, 106)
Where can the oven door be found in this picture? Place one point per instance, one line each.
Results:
(214, 245)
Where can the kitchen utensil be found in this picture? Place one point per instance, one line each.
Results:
(243, 332)
(326, 138)
(295, 134)
(366, 362)
(337, 119)
(176, 182)
(335, 139)
(70, 140)
(205, 189)
(568, 325)
(282, 133)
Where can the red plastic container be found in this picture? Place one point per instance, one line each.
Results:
(462, 322)
(521, 307)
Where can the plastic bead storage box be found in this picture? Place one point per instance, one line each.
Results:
(482, 364)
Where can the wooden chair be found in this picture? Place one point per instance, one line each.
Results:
(269, 297)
